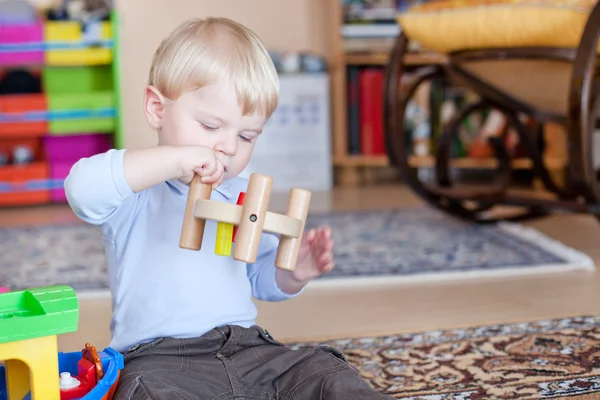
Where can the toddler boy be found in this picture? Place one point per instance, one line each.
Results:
(185, 320)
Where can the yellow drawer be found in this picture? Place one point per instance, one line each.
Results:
(61, 31)
(68, 45)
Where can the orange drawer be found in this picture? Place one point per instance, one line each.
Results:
(28, 183)
(17, 184)
(7, 146)
(23, 115)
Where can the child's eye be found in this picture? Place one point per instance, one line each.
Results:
(208, 127)
(245, 138)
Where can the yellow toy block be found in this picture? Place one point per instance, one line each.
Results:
(31, 366)
(224, 239)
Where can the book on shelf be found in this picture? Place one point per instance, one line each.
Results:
(371, 25)
(368, 45)
(365, 111)
(369, 19)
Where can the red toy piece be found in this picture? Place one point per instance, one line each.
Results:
(86, 380)
(240, 201)
(89, 372)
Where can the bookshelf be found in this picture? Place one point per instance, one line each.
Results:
(354, 169)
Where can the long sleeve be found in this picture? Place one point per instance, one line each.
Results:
(262, 273)
(96, 187)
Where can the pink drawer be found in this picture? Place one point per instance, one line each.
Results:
(21, 44)
(59, 171)
(74, 147)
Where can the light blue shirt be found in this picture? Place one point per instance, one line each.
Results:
(159, 289)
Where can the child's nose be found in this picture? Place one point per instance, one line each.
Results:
(227, 145)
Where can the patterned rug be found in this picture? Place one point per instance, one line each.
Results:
(555, 359)
(400, 244)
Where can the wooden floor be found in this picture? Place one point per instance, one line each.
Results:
(329, 312)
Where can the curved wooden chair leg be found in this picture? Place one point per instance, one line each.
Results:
(581, 120)
(393, 73)
(539, 168)
(397, 97)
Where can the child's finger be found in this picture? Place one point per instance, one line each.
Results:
(310, 235)
(325, 258)
(326, 266)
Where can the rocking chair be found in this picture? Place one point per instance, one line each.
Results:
(561, 87)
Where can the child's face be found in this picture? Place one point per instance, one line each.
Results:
(211, 117)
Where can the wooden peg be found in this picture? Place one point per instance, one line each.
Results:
(254, 209)
(287, 252)
(193, 228)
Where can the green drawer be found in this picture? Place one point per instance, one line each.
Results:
(91, 112)
(57, 80)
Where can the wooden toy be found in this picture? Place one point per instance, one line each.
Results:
(245, 221)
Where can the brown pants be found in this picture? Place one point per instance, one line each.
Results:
(232, 362)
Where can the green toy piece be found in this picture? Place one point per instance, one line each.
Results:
(33, 313)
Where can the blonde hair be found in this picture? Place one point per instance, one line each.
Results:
(200, 51)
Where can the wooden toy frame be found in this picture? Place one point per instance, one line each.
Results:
(251, 219)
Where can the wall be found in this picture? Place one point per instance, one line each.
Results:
(297, 25)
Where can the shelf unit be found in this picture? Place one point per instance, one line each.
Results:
(351, 169)
(355, 170)
(73, 113)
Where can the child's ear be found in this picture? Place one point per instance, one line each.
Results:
(154, 104)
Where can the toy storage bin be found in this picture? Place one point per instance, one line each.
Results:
(67, 44)
(77, 79)
(21, 43)
(63, 151)
(81, 112)
(23, 115)
(69, 148)
(58, 172)
(27, 183)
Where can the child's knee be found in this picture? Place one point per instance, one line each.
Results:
(337, 356)
(131, 388)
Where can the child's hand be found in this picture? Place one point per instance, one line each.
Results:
(203, 161)
(315, 258)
